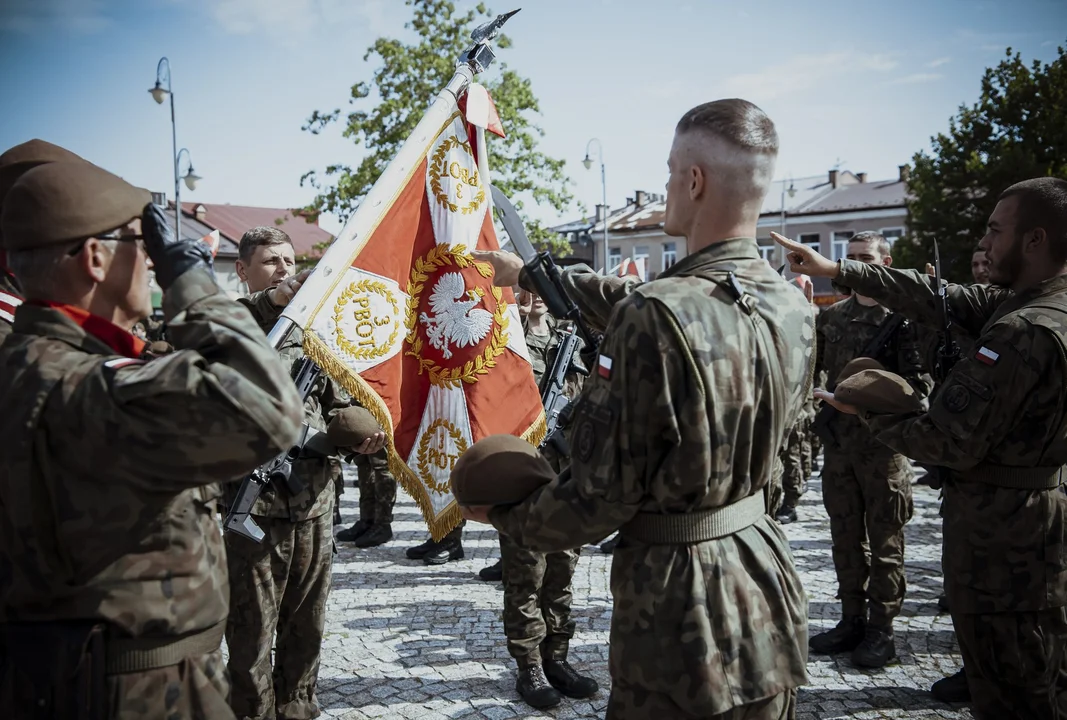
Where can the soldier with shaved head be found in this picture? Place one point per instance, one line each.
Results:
(700, 375)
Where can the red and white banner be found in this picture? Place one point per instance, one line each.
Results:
(212, 240)
(400, 314)
(8, 303)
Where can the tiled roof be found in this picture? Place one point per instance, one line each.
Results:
(860, 196)
(233, 220)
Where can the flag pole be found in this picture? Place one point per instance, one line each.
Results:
(472, 62)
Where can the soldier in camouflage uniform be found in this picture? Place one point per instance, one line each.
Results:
(998, 428)
(537, 585)
(701, 374)
(866, 486)
(113, 584)
(796, 465)
(279, 587)
(377, 496)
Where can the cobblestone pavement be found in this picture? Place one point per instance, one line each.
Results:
(405, 640)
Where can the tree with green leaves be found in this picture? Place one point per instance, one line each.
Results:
(1017, 130)
(387, 109)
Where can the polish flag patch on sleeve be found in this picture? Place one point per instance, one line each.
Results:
(604, 367)
(122, 362)
(987, 356)
(8, 303)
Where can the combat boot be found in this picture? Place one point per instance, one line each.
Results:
(942, 603)
(376, 535)
(353, 533)
(492, 573)
(533, 686)
(608, 546)
(422, 550)
(786, 514)
(568, 681)
(876, 649)
(450, 548)
(845, 637)
(952, 689)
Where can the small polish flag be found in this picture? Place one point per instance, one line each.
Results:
(986, 356)
(8, 303)
(122, 362)
(604, 367)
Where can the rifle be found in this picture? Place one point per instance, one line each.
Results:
(821, 424)
(557, 404)
(948, 352)
(279, 470)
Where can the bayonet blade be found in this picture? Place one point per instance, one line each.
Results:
(509, 217)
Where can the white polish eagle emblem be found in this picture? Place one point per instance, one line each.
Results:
(455, 321)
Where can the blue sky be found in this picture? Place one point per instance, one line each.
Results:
(863, 83)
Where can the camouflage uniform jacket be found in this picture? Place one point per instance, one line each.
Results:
(690, 417)
(843, 331)
(10, 296)
(108, 482)
(1005, 550)
(318, 496)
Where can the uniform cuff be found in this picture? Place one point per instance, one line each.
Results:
(189, 288)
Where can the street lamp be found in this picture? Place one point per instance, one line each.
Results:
(159, 93)
(588, 162)
(792, 192)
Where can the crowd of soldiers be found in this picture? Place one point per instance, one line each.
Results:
(692, 438)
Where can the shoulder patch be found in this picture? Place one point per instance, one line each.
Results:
(117, 363)
(957, 398)
(603, 367)
(987, 356)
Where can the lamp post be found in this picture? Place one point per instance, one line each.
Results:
(792, 192)
(159, 92)
(588, 162)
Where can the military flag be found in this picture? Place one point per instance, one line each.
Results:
(400, 313)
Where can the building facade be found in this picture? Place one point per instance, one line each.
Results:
(822, 211)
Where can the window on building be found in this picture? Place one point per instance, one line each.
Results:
(614, 258)
(812, 240)
(839, 244)
(670, 254)
(893, 234)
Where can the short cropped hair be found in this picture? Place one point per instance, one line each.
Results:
(1042, 204)
(260, 237)
(736, 121)
(880, 243)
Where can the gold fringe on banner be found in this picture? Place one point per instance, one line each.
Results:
(319, 353)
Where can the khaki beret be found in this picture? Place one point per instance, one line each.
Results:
(499, 470)
(856, 365)
(879, 391)
(349, 427)
(62, 201)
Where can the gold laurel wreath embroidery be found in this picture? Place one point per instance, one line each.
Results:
(363, 286)
(438, 257)
(422, 461)
(435, 173)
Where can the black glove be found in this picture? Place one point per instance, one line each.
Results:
(171, 256)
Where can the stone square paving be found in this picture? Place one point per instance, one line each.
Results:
(405, 640)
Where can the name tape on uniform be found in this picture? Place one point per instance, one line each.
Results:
(604, 367)
(986, 356)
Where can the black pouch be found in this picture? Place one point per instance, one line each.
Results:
(52, 671)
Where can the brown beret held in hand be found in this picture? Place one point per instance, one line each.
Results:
(349, 427)
(499, 470)
(879, 391)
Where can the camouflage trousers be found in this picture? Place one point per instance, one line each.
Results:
(1016, 663)
(632, 703)
(194, 689)
(537, 602)
(338, 475)
(796, 469)
(278, 592)
(867, 494)
(377, 489)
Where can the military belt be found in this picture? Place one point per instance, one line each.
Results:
(126, 655)
(1016, 478)
(688, 528)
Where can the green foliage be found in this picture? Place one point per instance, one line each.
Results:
(387, 108)
(1015, 131)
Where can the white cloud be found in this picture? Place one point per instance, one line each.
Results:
(294, 21)
(82, 17)
(916, 79)
(804, 72)
(939, 62)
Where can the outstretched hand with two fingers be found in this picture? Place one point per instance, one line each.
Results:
(803, 260)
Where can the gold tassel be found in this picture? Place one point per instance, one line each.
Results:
(442, 523)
